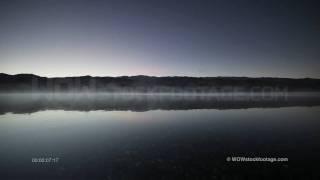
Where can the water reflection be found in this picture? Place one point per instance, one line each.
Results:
(29, 103)
(160, 144)
(192, 143)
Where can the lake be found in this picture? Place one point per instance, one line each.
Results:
(136, 136)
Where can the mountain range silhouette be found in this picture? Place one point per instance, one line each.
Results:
(146, 84)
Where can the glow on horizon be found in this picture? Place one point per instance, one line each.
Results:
(99, 61)
(69, 67)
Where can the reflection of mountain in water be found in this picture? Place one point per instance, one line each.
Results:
(28, 103)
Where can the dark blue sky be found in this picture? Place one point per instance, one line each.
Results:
(162, 38)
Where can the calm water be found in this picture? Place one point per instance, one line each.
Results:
(157, 137)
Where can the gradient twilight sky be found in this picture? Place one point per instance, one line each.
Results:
(160, 37)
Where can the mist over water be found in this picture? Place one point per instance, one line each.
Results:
(33, 102)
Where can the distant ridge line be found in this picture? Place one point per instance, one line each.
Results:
(145, 84)
(150, 76)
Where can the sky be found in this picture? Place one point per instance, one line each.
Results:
(254, 38)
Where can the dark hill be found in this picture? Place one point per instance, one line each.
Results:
(175, 84)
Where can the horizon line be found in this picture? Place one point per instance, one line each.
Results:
(160, 76)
